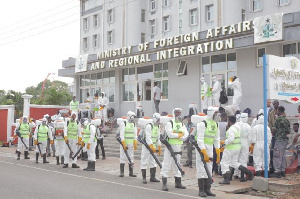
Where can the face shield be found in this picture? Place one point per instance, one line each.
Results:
(44, 121)
(211, 112)
(244, 117)
(25, 119)
(260, 119)
(130, 116)
(177, 114)
(73, 116)
(156, 118)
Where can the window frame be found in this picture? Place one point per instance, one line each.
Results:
(110, 16)
(110, 37)
(85, 43)
(209, 12)
(252, 5)
(193, 16)
(258, 64)
(152, 5)
(162, 79)
(152, 26)
(284, 4)
(143, 15)
(143, 37)
(96, 20)
(95, 40)
(166, 3)
(166, 23)
(184, 71)
(85, 23)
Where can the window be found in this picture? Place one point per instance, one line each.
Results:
(143, 37)
(145, 72)
(166, 23)
(231, 61)
(110, 37)
(182, 68)
(256, 5)
(110, 18)
(218, 62)
(193, 17)
(152, 5)
(166, 3)
(290, 50)
(243, 15)
(283, 2)
(128, 78)
(85, 43)
(143, 15)
(95, 41)
(206, 64)
(260, 56)
(161, 77)
(95, 17)
(209, 13)
(85, 24)
(152, 27)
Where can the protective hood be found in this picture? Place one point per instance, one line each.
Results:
(260, 119)
(25, 119)
(214, 78)
(202, 79)
(44, 121)
(156, 118)
(178, 117)
(130, 115)
(244, 117)
(211, 111)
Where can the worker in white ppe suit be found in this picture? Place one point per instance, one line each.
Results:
(255, 120)
(177, 133)
(208, 135)
(128, 135)
(232, 151)
(59, 128)
(245, 142)
(258, 142)
(236, 85)
(152, 134)
(216, 89)
(205, 94)
(103, 102)
(72, 136)
(41, 134)
(24, 131)
(89, 139)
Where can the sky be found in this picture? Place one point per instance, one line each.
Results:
(35, 36)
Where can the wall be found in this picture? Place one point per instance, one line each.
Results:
(38, 111)
(6, 121)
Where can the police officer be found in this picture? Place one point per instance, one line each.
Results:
(177, 133)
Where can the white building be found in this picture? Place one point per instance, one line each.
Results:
(114, 32)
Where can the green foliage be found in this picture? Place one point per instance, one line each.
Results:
(12, 98)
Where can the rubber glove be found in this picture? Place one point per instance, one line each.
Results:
(124, 145)
(88, 146)
(218, 156)
(35, 142)
(51, 142)
(159, 150)
(251, 148)
(82, 144)
(135, 145)
(152, 148)
(206, 158)
(66, 139)
(202, 97)
(180, 135)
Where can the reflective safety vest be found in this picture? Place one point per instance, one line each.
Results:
(74, 105)
(154, 135)
(210, 132)
(129, 133)
(205, 94)
(87, 134)
(236, 144)
(42, 133)
(72, 130)
(177, 128)
(24, 130)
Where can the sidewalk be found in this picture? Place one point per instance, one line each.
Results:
(111, 166)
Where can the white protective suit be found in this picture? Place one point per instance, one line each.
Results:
(230, 157)
(103, 102)
(245, 140)
(130, 149)
(237, 89)
(216, 91)
(168, 163)
(146, 157)
(255, 121)
(201, 173)
(72, 141)
(59, 137)
(43, 144)
(25, 135)
(92, 141)
(204, 91)
(258, 141)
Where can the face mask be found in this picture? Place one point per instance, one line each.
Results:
(178, 118)
(85, 123)
(44, 122)
(25, 120)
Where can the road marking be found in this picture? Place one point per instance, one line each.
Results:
(107, 181)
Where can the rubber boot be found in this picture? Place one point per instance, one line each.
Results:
(231, 174)
(75, 166)
(19, 154)
(205, 111)
(144, 176)
(152, 175)
(26, 155)
(247, 172)
(201, 187)
(62, 159)
(243, 179)
(164, 187)
(258, 173)
(57, 160)
(283, 173)
(178, 183)
(44, 158)
(84, 156)
(122, 165)
(131, 172)
(226, 177)
(66, 166)
(207, 187)
(36, 157)
(275, 175)
(92, 166)
(88, 166)
(53, 154)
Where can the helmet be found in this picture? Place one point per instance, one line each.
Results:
(156, 117)
(130, 115)
(244, 117)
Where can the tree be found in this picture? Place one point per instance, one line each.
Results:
(14, 98)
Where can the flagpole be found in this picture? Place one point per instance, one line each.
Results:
(265, 94)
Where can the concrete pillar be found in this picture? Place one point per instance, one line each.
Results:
(26, 98)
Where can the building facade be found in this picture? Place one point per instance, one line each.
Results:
(128, 45)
